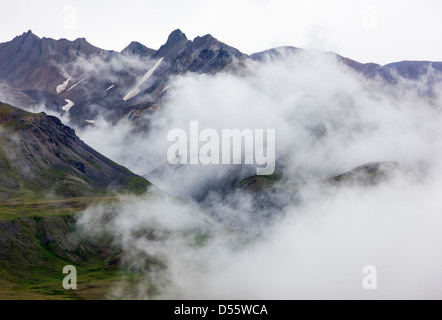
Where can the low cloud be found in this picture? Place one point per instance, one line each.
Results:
(329, 120)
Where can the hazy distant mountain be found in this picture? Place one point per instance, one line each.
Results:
(426, 76)
(282, 52)
(86, 81)
(411, 70)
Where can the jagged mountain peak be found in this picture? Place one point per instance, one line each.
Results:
(81, 40)
(137, 48)
(29, 33)
(204, 39)
(206, 36)
(209, 42)
(177, 36)
(176, 40)
(86, 47)
(135, 44)
(27, 37)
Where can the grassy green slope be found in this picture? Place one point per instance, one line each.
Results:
(34, 250)
(48, 176)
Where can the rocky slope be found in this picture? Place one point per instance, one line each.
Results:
(40, 155)
(34, 251)
(32, 63)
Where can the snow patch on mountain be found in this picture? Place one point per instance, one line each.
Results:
(76, 84)
(60, 88)
(135, 91)
(68, 106)
(165, 89)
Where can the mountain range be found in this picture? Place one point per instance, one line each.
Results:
(87, 82)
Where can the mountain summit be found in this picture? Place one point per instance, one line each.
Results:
(136, 48)
(175, 37)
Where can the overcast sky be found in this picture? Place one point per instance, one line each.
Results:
(378, 31)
